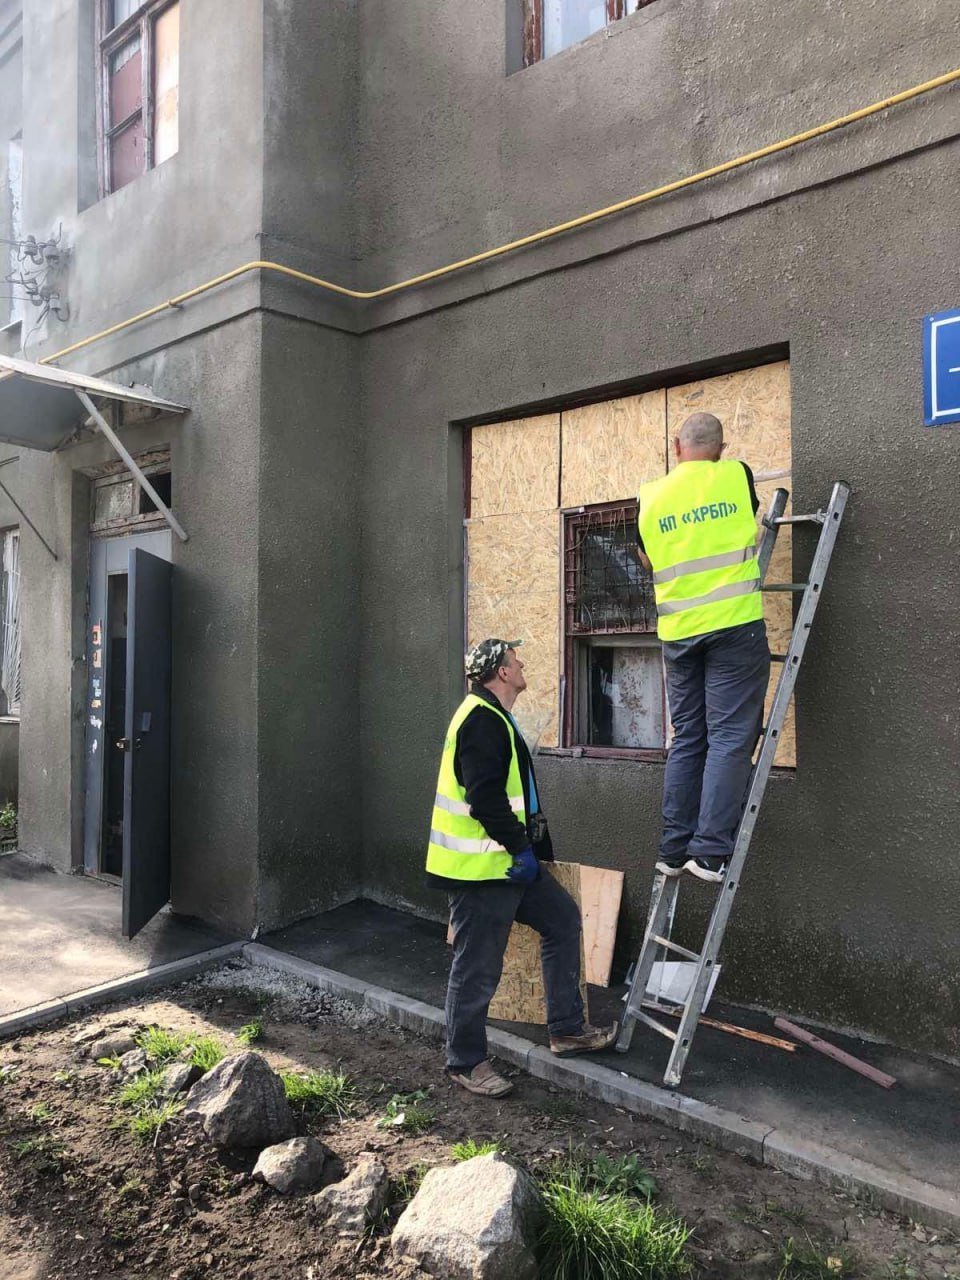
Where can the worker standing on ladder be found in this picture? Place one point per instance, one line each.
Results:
(696, 530)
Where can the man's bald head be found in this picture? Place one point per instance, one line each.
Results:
(700, 437)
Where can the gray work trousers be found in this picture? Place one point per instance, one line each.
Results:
(715, 687)
(481, 914)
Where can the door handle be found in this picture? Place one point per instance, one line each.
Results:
(123, 744)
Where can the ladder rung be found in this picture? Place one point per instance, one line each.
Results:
(778, 657)
(815, 517)
(652, 1022)
(675, 946)
(786, 586)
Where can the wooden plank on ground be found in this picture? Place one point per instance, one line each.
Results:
(600, 893)
(730, 1027)
(838, 1055)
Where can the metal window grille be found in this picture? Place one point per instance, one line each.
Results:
(608, 591)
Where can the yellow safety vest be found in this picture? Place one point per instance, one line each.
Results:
(699, 532)
(459, 847)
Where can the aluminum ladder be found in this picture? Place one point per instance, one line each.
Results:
(665, 889)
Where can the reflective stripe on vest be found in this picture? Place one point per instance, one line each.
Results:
(699, 532)
(459, 847)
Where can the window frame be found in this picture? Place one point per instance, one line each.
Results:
(532, 24)
(573, 636)
(11, 710)
(109, 41)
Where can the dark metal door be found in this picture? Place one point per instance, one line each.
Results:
(146, 789)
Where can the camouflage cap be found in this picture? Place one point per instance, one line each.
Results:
(482, 660)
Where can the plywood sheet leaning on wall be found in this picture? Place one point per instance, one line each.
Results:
(609, 450)
(519, 997)
(515, 466)
(754, 407)
(513, 592)
(600, 894)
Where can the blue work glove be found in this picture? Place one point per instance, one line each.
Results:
(525, 869)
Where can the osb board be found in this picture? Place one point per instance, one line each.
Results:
(519, 997)
(514, 593)
(786, 757)
(611, 449)
(600, 894)
(514, 466)
(752, 404)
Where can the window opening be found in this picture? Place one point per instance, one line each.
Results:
(550, 26)
(140, 81)
(614, 697)
(120, 506)
(10, 614)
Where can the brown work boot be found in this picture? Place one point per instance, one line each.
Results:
(482, 1080)
(590, 1040)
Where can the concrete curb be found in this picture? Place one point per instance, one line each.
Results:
(778, 1148)
(131, 984)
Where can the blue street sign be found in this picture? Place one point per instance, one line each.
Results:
(941, 369)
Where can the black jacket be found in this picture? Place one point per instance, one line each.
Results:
(481, 763)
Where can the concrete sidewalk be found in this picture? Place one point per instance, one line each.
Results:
(909, 1131)
(61, 934)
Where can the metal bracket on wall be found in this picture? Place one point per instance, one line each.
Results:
(131, 466)
(3, 489)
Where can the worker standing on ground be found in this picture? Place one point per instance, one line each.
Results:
(697, 532)
(488, 837)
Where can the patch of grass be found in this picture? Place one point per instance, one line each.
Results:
(406, 1184)
(558, 1108)
(588, 1234)
(320, 1093)
(64, 1077)
(250, 1032)
(7, 1072)
(147, 1123)
(207, 1052)
(162, 1046)
(468, 1149)
(41, 1113)
(807, 1262)
(113, 1062)
(409, 1112)
(132, 1187)
(141, 1091)
(46, 1151)
(619, 1175)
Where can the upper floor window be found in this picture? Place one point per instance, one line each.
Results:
(552, 25)
(140, 84)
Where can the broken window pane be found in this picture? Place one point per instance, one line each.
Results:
(10, 617)
(166, 84)
(113, 502)
(625, 695)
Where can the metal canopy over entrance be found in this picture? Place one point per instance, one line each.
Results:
(41, 408)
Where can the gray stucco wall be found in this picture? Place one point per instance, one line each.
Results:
(309, 621)
(848, 907)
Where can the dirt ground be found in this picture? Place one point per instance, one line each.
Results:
(79, 1198)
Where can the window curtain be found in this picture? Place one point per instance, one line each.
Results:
(10, 668)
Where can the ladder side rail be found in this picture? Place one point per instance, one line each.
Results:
(661, 906)
(757, 787)
(768, 538)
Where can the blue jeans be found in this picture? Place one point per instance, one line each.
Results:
(482, 914)
(715, 686)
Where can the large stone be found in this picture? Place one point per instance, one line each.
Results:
(133, 1062)
(242, 1103)
(296, 1165)
(113, 1045)
(361, 1198)
(475, 1221)
(177, 1077)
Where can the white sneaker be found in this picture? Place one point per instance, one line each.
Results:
(712, 869)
